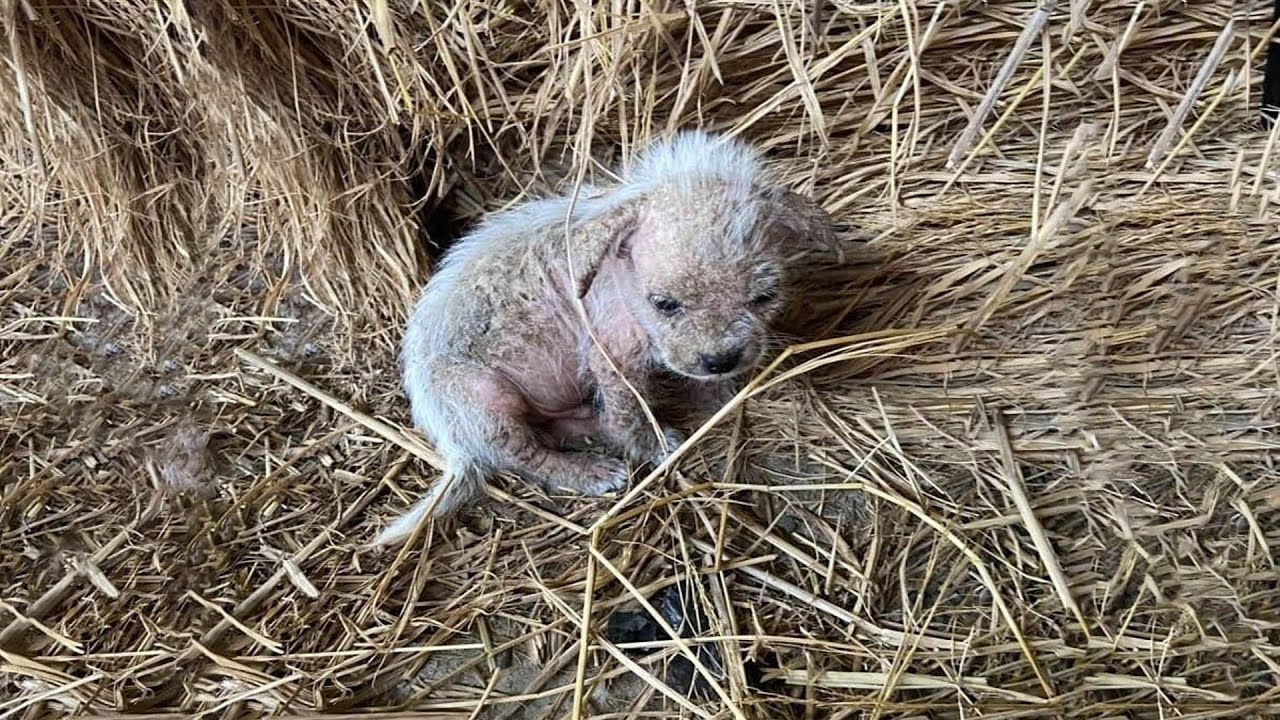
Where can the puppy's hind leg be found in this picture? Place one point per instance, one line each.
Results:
(519, 449)
(506, 441)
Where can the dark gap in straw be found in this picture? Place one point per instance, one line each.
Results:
(1271, 76)
(438, 221)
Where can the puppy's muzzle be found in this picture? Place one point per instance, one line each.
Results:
(720, 363)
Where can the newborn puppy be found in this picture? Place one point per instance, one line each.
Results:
(679, 269)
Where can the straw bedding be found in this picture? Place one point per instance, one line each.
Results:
(1033, 476)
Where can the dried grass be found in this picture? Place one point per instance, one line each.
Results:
(1036, 477)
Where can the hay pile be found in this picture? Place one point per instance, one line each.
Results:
(1057, 499)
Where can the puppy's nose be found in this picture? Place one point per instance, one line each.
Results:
(720, 362)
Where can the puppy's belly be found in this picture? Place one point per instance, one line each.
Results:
(550, 382)
(571, 431)
(565, 424)
(582, 411)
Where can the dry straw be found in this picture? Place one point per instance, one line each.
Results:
(1020, 461)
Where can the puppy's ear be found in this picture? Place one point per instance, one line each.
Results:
(798, 222)
(608, 233)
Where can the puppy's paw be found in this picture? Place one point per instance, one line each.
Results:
(644, 448)
(604, 475)
(672, 439)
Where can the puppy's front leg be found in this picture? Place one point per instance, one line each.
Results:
(710, 395)
(623, 422)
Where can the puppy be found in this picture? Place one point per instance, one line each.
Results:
(678, 270)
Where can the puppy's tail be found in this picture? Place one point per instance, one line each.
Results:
(447, 495)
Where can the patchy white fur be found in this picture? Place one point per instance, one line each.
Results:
(429, 336)
(449, 316)
(691, 158)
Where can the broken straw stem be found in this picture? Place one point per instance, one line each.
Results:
(412, 445)
(1163, 142)
(759, 382)
(1037, 21)
(1108, 64)
(386, 431)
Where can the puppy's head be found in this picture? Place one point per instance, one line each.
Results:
(699, 251)
(704, 277)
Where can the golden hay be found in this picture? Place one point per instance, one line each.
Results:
(1035, 478)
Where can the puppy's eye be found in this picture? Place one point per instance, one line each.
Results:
(665, 305)
(765, 298)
